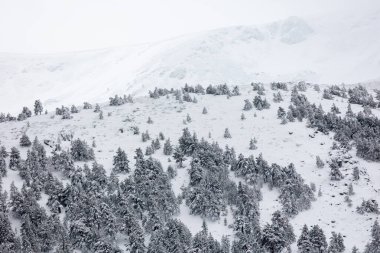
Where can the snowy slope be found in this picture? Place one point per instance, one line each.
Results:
(334, 49)
(274, 142)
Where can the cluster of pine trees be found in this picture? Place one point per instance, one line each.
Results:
(362, 128)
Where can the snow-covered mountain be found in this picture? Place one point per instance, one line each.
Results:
(333, 50)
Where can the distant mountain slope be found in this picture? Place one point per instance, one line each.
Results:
(344, 50)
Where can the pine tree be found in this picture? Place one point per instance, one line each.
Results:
(335, 109)
(317, 239)
(248, 105)
(3, 152)
(3, 168)
(120, 161)
(87, 106)
(66, 113)
(150, 121)
(374, 245)
(149, 151)
(7, 236)
(336, 244)
(161, 135)
(168, 148)
(179, 156)
(319, 162)
(171, 172)
(204, 111)
(74, 109)
(188, 118)
(38, 108)
(335, 174)
(355, 250)
(225, 245)
(101, 115)
(252, 144)
(24, 141)
(279, 234)
(281, 113)
(242, 117)
(97, 108)
(156, 145)
(80, 151)
(15, 159)
(356, 174)
(350, 189)
(227, 133)
(349, 112)
(304, 243)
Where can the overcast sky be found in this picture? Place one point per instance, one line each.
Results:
(45, 26)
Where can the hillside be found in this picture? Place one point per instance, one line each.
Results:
(280, 141)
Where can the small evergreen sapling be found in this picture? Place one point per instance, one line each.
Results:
(74, 109)
(3, 152)
(356, 174)
(350, 189)
(248, 105)
(319, 162)
(149, 151)
(252, 144)
(150, 121)
(97, 108)
(204, 111)
(227, 134)
(171, 172)
(242, 117)
(168, 148)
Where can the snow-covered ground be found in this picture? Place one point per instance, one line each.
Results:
(274, 142)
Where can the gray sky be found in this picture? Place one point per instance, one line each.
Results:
(45, 26)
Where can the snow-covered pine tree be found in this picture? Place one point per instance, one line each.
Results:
(336, 243)
(3, 168)
(317, 239)
(15, 159)
(74, 109)
(38, 108)
(304, 243)
(374, 245)
(252, 144)
(319, 162)
(188, 118)
(179, 156)
(121, 162)
(227, 133)
(247, 105)
(25, 141)
(168, 148)
(97, 108)
(356, 174)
